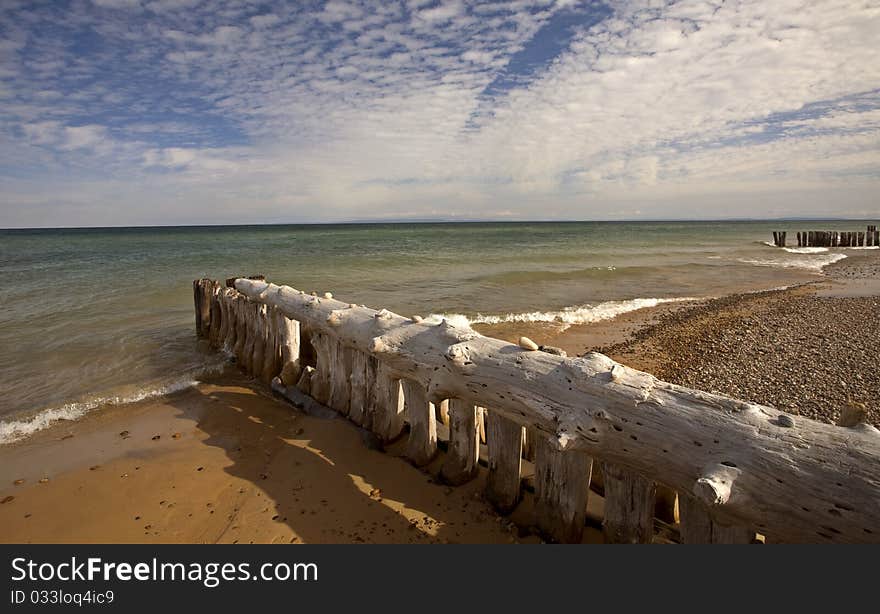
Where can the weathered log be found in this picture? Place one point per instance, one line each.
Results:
(562, 484)
(504, 439)
(421, 445)
(629, 506)
(462, 458)
(675, 435)
(698, 526)
(389, 406)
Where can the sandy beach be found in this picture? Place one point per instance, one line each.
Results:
(226, 462)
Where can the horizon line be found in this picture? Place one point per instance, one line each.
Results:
(401, 221)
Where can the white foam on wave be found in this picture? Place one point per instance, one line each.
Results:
(806, 250)
(863, 247)
(15, 430)
(583, 314)
(809, 262)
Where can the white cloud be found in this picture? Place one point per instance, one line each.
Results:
(388, 109)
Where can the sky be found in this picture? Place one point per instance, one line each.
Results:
(153, 112)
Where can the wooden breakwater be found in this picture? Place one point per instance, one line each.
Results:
(737, 469)
(831, 238)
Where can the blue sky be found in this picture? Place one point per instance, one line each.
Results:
(116, 112)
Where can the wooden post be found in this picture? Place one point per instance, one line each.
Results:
(463, 456)
(360, 391)
(214, 307)
(861, 239)
(259, 341)
(421, 445)
(504, 439)
(389, 405)
(775, 238)
(233, 302)
(202, 290)
(698, 527)
(782, 239)
(269, 368)
(242, 305)
(629, 506)
(289, 338)
(341, 358)
(320, 380)
(562, 483)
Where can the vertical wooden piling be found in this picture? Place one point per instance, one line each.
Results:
(629, 506)
(698, 527)
(341, 358)
(562, 484)
(421, 445)
(389, 405)
(462, 458)
(320, 380)
(504, 439)
(359, 393)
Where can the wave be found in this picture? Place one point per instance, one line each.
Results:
(15, 430)
(805, 250)
(812, 263)
(863, 247)
(582, 314)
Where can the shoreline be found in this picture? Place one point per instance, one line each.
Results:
(225, 461)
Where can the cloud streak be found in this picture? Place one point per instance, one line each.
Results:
(180, 111)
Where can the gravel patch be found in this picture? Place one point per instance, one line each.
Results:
(793, 350)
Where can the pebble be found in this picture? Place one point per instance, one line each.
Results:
(527, 344)
(18, 482)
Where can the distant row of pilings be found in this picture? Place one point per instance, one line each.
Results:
(832, 238)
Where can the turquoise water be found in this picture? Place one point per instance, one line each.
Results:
(91, 316)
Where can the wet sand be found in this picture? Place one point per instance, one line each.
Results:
(226, 464)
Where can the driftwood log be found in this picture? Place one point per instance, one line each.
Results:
(738, 464)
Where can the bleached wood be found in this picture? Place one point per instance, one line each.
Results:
(304, 384)
(320, 381)
(504, 439)
(259, 346)
(443, 412)
(794, 475)
(214, 325)
(289, 338)
(359, 393)
(562, 484)
(269, 368)
(389, 405)
(340, 377)
(421, 445)
(698, 526)
(629, 506)
(463, 455)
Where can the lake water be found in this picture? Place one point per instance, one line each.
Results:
(96, 316)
